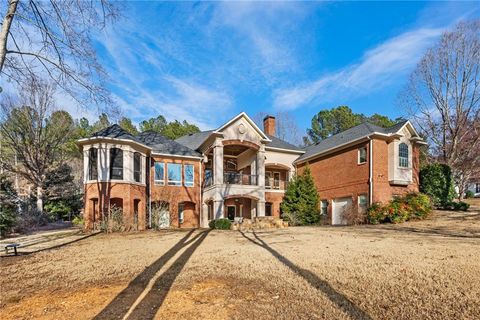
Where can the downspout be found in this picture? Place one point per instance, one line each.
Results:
(149, 162)
(370, 171)
(200, 183)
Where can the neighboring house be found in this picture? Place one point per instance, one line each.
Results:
(240, 171)
(474, 186)
(363, 165)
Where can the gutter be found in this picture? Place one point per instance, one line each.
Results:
(370, 171)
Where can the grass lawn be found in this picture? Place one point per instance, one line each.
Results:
(417, 270)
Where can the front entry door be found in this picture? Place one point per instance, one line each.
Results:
(231, 212)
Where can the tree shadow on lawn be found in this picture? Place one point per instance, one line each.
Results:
(445, 232)
(119, 307)
(336, 297)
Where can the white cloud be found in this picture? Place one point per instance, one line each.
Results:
(377, 68)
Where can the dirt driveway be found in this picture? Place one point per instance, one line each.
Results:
(417, 270)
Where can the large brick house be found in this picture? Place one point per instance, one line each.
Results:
(239, 170)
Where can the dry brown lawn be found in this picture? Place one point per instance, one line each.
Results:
(418, 270)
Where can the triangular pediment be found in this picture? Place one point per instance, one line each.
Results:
(242, 127)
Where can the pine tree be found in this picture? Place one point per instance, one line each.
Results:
(301, 201)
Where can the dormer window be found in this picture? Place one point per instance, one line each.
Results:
(403, 155)
(116, 164)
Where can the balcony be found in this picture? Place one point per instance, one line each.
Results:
(239, 178)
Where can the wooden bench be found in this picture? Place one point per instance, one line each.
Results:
(11, 246)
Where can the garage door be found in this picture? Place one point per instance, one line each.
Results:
(339, 209)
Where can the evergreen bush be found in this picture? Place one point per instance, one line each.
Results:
(223, 224)
(436, 181)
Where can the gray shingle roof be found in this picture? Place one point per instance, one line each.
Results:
(161, 144)
(347, 136)
(194, 140)
(115, 131)
(281, 144)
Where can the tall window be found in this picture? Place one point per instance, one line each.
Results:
(403, 155)
(93, 164)
(180, 212)
(137, 167)
(116, 164)
(174, 174)
(188, 173)
(323, 207)
(362, 155)
(268, 180)
(362, 203)
(159, 173)
(276, 180)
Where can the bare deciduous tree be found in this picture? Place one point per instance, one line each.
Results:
(443, 98)
(53, 39)
(36, 134)
(285, 126)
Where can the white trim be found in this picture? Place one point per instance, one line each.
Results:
(285, 150)
(176, 156)
(81, 141)
(411, 127)
(155, 181)
(250, 121)
(370, 173)
(116, 181)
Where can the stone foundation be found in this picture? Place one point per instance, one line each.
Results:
(259, 223)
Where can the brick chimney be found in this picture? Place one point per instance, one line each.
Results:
(269, 125)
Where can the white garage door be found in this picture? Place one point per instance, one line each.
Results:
(339, 208)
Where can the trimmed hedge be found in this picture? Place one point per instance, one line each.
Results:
(401, 209)
(457, 206)
(220, 224)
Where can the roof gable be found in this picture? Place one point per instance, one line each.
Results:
(248, 121)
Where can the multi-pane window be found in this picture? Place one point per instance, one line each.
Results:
(323, 207)
(268, 180)
(276, 180)
(174, 174)
(159, 176)
(116, 164)
(93, 164)
(188, 173)
(137, 167)
(362, 203)
(403, 155)
(362, 155)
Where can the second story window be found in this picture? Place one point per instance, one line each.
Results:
(268, 180)
(137, 167)
(93, 164)
(403, 155)
(116, 164)
(159, 176)
(188, 172)
(362, 155)
(276, 180)
(174, 174)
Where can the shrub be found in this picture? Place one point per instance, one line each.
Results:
(223, 224)
(78, 221)
(457, 206)
(211, 224)
(7, 221)
(300, 204)
(436, 181)
(469, 194)
(113, 220)
(398, 210)
(8, 205)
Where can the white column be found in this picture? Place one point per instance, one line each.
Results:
(204, 216)
(260, 167)
(218, 209)
(261, 208)
(218, 162)
(86, 153)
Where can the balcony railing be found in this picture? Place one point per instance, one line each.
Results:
(239, 178)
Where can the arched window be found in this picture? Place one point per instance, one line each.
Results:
(93, 164)
(137, 167)
(403, 155)
(116, 164)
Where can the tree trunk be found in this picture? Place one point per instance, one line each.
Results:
(40, 199)
(6, 24)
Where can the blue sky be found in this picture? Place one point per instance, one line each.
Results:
(206, 62)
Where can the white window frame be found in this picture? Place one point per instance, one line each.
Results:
(359, 155)
(322, 207)
(188, 183)
(174, 183)
(268, 176)
(366, 200)
(140, 171)
(158, 182)
(402, 159)
(278, 186)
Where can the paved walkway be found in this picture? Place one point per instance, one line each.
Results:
(44, 240)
